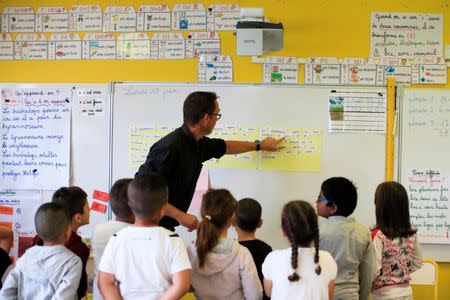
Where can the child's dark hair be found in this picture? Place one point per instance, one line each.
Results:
(341, 192)
(73, 198)
(217, 208)
(248, 214)
(147, 194)
(51, 220)
(392, 210)
(119, 198)
(299, 223)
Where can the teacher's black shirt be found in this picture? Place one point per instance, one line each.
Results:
(179, 157)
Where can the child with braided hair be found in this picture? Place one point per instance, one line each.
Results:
(301, 271)
(221, 267)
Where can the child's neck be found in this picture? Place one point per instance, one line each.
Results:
(124, 220)
(245, 235)
(144, 223)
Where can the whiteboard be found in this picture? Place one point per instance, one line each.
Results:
(424, 148)
(358, 156)
(89, 153)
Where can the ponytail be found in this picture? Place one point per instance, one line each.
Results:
(207, 239)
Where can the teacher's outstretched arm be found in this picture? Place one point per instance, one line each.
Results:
(268, 144)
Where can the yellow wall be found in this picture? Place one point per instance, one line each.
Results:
(312, 28)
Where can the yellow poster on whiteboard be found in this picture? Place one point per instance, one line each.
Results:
(302, 152)
(140, 139)
(246, 160)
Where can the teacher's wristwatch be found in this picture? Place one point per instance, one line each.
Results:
(258, 145)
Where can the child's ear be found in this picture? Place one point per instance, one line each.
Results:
(333, 209)
(260, 223)
(77, 218)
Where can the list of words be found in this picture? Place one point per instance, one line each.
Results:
(428, 192)
(35, 138)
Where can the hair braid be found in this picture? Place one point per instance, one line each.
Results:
(316, 253)
(294, 256)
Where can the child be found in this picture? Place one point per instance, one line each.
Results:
(74, 199)
(221, 267)
(118, 200)
(248, 219)
(347, 240)
(6, 238)
(397, 249)
(302, 271)
(48, 271)
(145, 261)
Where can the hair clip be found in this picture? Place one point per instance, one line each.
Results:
(208, 217)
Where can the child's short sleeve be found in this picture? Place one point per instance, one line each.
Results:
(108, 263)
(328, 265)
(267, 266)
(179, 258)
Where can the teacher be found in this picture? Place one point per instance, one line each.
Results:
(179, 155)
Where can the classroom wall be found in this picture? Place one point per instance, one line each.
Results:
(312, 28)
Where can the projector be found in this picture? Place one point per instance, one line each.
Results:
(256, 37)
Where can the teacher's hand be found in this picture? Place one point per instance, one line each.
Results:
(272, 144)
(189, 221)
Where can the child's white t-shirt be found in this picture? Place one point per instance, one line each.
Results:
(143, 260)
(277, 268)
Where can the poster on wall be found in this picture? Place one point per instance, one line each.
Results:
(429, 70)
(322, 70)
(85, 18)
(18, 19)
(202, 43)
(153, 18)
(280, 69)
(99, 46)
(119, 19)
(215, 68)
(406, 35)
(6, 47)
(399, 68)
(35, 138)
(64, 46)
(223, 17)
(358, 71)
(168, 46)
(133, 45)
(52, 19)
(189, 17)
(30, 46)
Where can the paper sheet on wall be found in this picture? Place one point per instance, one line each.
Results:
(246, 160)
(431, 70)
(140, 139)
(64, 46)
(215, 68)
(119, 19)
(153, 18)
(168, 46)
(85, 18)
(400, 35)
(202, 43)
(134, 45)
(358, 71)
(52, 19)
(399, 68)
(322, 70)
(357, 111)
(18, 208)
(223, 17)
(6, 47)
(189, 17)
(35, 138)
(200, 189)
(99, 46)
(429, 205)
(302, 152)
(31, 46)
(91, 102)
(280, 69)
(18, 19)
